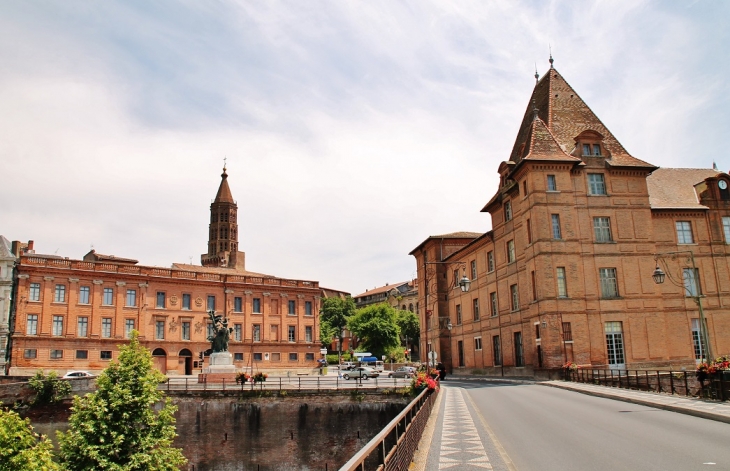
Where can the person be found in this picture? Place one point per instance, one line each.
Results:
(442, 371)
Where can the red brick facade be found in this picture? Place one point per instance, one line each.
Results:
(566, 272)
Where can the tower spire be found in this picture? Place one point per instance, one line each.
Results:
(223, 230)
(551, 56)
(537, 76)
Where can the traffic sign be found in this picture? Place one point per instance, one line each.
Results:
(432, 355)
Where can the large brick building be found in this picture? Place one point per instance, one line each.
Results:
(72, 314)
(565, 274)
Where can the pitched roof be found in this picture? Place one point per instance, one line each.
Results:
(224, 192)
(218, 270)
(381, 289)
(451, 235)
(541, 144)
(565, 116)
(97, 257)
(6, 248)
(674, 188)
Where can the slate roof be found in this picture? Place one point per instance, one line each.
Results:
(673, 188)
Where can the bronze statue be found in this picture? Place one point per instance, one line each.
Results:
(222, 333)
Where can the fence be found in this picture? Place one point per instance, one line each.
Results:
(295, 383)
(662, 381)
(393, 448)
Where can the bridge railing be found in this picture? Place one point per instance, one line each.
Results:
(296, 383)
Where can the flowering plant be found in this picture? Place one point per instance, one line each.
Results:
(260, 377)
(570, 366)
(423, 380)
(242, 377)
(720, 364)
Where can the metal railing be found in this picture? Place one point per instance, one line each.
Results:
(293, 383)
(393, 448)
(684, 383)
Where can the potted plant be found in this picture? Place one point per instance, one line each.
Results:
(242, 377)
(422, 381)
(260, 377)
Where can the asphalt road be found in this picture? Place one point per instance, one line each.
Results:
(544, 429)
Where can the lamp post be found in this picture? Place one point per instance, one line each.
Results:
(659, 276)
(463, 283)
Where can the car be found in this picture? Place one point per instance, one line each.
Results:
(77, 374)
(347, 365)
(360, 372)
(401, 372)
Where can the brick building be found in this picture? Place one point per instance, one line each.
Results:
(72, 314)
(579, 226)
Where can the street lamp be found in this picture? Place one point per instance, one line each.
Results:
(691, 291)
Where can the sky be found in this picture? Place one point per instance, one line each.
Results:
(352, 130)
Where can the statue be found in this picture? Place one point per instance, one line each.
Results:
(222, 333)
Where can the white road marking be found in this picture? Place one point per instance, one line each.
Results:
(461, 447)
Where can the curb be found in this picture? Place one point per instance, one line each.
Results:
(641, 402)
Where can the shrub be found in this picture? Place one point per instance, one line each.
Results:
(21, 449)
(48, 389)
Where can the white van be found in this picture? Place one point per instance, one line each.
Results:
(378, 366)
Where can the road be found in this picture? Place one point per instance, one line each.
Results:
(544, 429)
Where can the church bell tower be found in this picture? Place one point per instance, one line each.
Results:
(223, 231)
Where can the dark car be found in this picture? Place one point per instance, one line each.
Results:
(401, 372)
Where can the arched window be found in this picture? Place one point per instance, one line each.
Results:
(410, 307)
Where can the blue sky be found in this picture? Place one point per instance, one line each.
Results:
(353, 130)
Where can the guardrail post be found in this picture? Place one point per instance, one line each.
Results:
(224, 384)
(686, 387)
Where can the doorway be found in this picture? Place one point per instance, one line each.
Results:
(460, 346)
(615, 346)
(159, 358)
(185, 361)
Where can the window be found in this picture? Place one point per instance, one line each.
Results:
(524, 188)
(307, 308)
(160, 300)
(684, 232)
(237, 304)
(699, 344)
(34, 294)
(292, 333)
(529, 231)
(496, 351)
(615, 345)
(108, 298)
(562, 283)
(185, 330)
(476, 309)
(567, 332)
(256, 333)
(84, 295)
(507, 211)
(131, 297)
(211, 302)
(726, 228)
(551, 186)
(537, 330)
(276, 357)
(493, 303)
(458, 314)
(519, 357)
(30, 353)
(257, 356)
(292, 308)
(106, 327)
(160, 330)
(257, 305)
(105, 355)
(515, 297)
(237, 332)
(238, 357)
(59, 295)
(309, 356)
(293, 356)
(595, 152)
(609, 287)
(596, 184)
(57, 326)
(82, 354)
(555, 219)
(473, 270)
(691, 277)
(534, 285)
(31, 326)
(56, 354)
(82, 326)
(308, 333)
(186, 302)
(477, 343)
(511, 257)
(602, 229)
(128, 327)
(596, 149)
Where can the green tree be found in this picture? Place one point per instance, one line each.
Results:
(377, 328)
(21, 449)
(333, 318)
(115, 427)
(48, 389)
(410, 327)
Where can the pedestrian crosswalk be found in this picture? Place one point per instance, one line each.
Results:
(461, 446)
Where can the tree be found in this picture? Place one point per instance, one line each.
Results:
(333, 318)
(115, 427)
(410, 327)
(49, 389)
(377, 328)
(21, 449)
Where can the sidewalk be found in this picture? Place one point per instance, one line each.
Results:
(719, 411)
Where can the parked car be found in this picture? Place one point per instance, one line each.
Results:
(77, 374)
(360, 372)
(400, 372)
(347, 365)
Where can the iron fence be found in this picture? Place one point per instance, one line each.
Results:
(684, 383)
(393, 448)
(324, 383)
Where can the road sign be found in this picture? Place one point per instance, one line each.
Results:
(432, 355)
(323, 351)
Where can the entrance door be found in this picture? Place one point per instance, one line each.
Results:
(615, 346)
(460, 345)
(185, 361)
(159, 357)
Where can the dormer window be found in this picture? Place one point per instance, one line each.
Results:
(589, 144)
(592, 149)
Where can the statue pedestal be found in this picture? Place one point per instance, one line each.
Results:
(220, 369)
